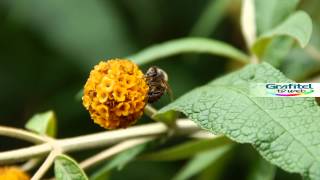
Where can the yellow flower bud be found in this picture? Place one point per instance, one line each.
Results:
(115, 93)
(12, 173)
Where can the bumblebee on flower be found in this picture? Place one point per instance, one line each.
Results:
(117, 92)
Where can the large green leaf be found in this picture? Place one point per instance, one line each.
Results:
(284, 130)
(297, 26)
(43, 123)
(66, 168)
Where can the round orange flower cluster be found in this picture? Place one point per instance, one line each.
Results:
(115, 93)
(12, 173)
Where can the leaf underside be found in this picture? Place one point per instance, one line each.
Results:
(284, 130)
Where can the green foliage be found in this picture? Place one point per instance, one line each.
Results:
(277, 50)
(187, 149)
(119, 161)
(271, 13)
(262, 170)
(167, 118)
(283, 130)
(210, 18)
(202, 161)
(290, 27)
(54, 43)
(43, 123)
(188, 45)
(65, 168)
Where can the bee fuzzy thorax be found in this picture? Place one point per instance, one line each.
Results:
(157, 81)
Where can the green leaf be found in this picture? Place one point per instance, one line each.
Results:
(299, 61)
(304, 60)
(187, 149)
(277, 50)
(271, 13)
(298, 26)
(212, 15)
(215, 170)
(188, 45)
(119, 161)
(262, 170)
(202, 161)
(43, 123)
(65, 168)
(167, 118)
(284, 130)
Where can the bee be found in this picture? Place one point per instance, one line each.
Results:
(157, 80)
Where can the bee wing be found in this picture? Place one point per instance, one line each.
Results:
(168, 89)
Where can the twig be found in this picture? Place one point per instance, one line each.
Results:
(254, 59)
(112, 151)
(111, 137)
(48, 162)
(29, 165)
(24, 153)
(45, 166)
(21, 134)
(313, 52)
(150, 111)
(96, 140)
(248, 22)
(203, 135)
(248, 26)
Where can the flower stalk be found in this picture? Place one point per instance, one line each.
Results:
(94, 140)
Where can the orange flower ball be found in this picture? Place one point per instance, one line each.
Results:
(12, 173)
(115, 93)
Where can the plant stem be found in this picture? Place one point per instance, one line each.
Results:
(24, 153)
(29, 165)
(248, 24)
(21, 134)
(313, 52)
(45, 165)
(203, 135)
(113, 150)
(248, 27)
(150, 111)
(254, 59)
(96, 140)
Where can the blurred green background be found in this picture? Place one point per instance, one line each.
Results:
(48, 47)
